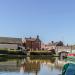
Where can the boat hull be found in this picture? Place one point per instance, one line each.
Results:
(72, 56)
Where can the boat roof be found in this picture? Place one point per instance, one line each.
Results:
(68, 69)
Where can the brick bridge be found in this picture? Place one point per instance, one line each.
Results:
(65, 49)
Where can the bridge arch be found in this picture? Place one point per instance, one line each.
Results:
(63, 53)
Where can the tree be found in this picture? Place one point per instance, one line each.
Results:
(60, 43)
(53, 51)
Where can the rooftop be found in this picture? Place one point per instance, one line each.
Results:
(33, 39)
(10, 40)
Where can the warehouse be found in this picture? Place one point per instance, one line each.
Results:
(10, 43)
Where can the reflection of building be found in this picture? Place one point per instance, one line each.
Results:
(33, 43)
(10, 43)
(11, 66)
(30, 67)
(33, 67)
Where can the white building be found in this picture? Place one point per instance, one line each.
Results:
(10, 43)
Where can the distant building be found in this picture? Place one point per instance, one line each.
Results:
(43, 46)
(51, 45)
(10, 43)
(33, 43)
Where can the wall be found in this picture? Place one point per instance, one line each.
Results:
(33, 45)
(8, 46)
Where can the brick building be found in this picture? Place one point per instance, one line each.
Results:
(32, 43)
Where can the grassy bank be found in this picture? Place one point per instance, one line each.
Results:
(11, 52)
(42, 53)
(7, 56)
(17, 53)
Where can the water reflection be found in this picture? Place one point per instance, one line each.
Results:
(32, 66)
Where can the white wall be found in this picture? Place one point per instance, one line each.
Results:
(9, 46)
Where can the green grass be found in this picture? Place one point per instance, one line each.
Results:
(39, 51)
(3, 49)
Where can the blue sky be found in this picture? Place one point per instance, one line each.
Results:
(50, 19)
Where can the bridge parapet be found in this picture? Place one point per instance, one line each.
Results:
(63, 49)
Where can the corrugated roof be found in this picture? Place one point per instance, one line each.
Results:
(10, 40)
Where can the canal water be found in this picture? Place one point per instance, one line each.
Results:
(31, 66)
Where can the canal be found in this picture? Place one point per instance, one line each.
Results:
(31, 66)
